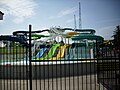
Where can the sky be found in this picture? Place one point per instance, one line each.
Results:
(100, 15)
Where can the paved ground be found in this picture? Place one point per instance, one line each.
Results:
(88, 82)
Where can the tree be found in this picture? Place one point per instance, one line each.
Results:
(116, 37)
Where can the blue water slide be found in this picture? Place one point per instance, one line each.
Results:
(41, 52)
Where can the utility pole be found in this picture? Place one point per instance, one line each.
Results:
(80, 24)
(75, 22)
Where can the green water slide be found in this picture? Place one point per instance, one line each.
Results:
(50, 53)
(61, 52)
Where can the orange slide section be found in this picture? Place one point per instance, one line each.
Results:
(61, 52)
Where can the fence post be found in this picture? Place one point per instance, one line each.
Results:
(118, 74)
(30, 67)
(97, 58)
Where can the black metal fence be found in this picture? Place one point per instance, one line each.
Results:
(72, 67)
(20, 72)
(108, 66)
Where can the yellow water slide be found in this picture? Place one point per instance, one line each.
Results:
(61, 52)
(70, 34)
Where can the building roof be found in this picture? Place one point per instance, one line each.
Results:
(2, 13)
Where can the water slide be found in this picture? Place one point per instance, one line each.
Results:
(70, 52)
(27, 32)
(50, 53)
(61, 52)
(40, 53)
(42, 50)
(14, 38)
(70, 34)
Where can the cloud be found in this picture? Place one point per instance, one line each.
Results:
(1, 21)
(18, 20)
(20, 9)
(72, 20)
(106, 32)
(64, 13)
(110, 20)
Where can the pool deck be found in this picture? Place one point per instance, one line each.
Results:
(88, 82)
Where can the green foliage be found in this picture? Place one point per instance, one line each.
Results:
(12, 50)
(117, 37)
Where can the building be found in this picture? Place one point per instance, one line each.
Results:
(1, 15)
